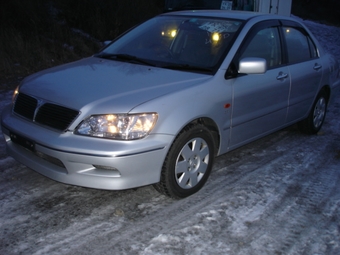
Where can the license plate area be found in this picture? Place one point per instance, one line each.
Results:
(23, 141)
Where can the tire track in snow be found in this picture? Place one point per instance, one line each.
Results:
(306, 211)
(302, 215)
(292, 213)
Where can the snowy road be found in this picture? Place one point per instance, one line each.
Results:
(278, 195)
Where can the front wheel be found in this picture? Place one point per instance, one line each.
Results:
(313, 123)
(188, 163)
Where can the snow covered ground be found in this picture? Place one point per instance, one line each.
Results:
(278, 195)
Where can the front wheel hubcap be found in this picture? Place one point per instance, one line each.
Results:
(192, 163)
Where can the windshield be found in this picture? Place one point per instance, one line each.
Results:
(176, 42)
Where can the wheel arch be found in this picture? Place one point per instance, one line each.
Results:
(212, 127)
(327, 90)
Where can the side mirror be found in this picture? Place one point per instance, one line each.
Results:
(252, 66)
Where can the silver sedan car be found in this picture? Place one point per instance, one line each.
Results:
(162, 100)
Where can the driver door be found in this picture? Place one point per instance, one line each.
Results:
(260, 101)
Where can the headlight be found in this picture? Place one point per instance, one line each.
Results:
(15, 93)
(118, 126)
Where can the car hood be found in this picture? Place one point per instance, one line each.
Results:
(97, 84)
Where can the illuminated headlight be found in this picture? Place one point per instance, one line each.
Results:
(15, 93)
(118, 126)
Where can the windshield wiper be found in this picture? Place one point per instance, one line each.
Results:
(124, 57)
(186, 67)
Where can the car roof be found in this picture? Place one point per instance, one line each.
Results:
(244, 15)
(240, 15)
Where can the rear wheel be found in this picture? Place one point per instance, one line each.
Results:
(188, 163)
(313, 123)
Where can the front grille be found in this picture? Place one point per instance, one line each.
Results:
(48, 114)
(55, 116)
(25, 106)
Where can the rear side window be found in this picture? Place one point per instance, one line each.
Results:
(300, 47)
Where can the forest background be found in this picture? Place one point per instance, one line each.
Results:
(38, 34)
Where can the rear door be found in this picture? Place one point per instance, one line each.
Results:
(260, 101)
(305, 69)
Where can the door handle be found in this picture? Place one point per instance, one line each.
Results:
(282, 76)
(317, 67)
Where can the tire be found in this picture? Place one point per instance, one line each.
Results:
(188, 163)
(313, 123)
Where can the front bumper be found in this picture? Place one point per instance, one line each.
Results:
(85, 161)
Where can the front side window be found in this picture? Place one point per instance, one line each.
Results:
(177, 41)
(265, 44)
(300, 47)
